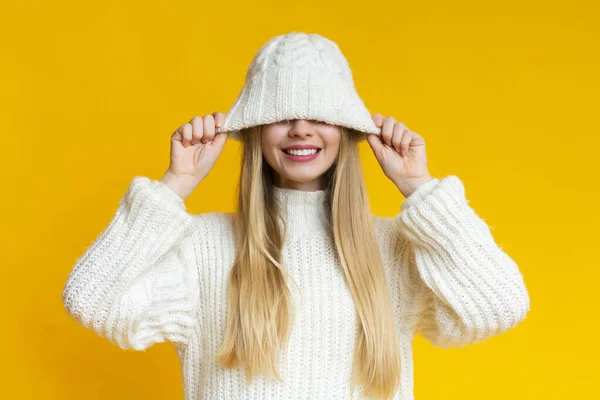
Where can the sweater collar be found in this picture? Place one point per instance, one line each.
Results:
(304, 211)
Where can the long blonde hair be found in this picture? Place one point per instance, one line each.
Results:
(260, 306)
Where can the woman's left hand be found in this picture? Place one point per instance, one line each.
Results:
(400, 153)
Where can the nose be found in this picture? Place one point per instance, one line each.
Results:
(300, 128)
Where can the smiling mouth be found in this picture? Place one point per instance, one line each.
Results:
(305, 152)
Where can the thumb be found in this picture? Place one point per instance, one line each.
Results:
(375, 143)
(220, 139)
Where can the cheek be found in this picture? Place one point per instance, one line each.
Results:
(332, 153)
(268, 148)
(332, 138)
(271, 140)
(271, 157)
(333, 146)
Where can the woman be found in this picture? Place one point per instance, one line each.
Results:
(222, 286)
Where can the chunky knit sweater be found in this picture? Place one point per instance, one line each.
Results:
(158, 273)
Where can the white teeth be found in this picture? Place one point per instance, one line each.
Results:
(306, 152)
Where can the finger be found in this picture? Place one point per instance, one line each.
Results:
(375, 142)
(387, 130)
(378, 119)
(406, 139)
(220, 139)
(219, 118)
(186, 134)
(197, 130)
(209, 128)
(399, 132)
(177, 136)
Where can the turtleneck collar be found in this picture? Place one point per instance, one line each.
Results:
(305, 212)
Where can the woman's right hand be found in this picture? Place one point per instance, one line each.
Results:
(195, 148)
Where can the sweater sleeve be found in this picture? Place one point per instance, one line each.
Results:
(137, 283)
(471, 289)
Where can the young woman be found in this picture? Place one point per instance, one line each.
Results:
(301, 293)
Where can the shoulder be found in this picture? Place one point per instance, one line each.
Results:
(214, 220)
(384, 226)
(211, 239)
(213, 225)
(386, 232)
(382, 223)
(392, 242)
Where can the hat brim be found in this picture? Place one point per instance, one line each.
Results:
(298, 93)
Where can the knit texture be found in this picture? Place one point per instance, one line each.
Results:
(299, 76)
(158, 273)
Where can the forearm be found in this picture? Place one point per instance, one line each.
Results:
(183, 186)
(408, 187)
(473, 283)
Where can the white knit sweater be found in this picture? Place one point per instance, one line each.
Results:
(158, 273)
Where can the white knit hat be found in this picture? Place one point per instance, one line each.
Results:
(298, 76)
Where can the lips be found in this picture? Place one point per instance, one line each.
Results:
(301, 147)
(302, 152)
(304, 155)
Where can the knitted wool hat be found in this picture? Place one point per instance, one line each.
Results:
(298, 76)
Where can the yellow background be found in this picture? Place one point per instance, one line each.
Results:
(505, 94)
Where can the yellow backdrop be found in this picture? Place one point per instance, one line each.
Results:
(505, 94)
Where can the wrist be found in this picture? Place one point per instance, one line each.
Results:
(182, 185)
(408, 187)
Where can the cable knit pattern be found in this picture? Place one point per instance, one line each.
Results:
(160, 274)
(299, 75)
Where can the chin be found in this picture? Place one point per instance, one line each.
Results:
(302, 179)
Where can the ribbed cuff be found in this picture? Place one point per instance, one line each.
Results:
(166, 193)
(420, 193)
